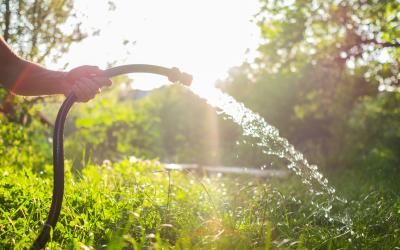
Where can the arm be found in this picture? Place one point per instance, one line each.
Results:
(25, 78)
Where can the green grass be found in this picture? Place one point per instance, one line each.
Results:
(139, 205)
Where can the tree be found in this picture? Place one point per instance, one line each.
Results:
(361, 33)
(318, 62)
(37, 30)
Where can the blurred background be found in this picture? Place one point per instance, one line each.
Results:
(326, 74)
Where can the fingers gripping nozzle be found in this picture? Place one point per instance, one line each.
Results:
(177, 76)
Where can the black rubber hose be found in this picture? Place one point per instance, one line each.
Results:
(174, 75)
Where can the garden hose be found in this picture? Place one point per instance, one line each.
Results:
(174, 75)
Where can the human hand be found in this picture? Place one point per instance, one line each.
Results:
(85, 82)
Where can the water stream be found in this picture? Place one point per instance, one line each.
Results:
(272, 143)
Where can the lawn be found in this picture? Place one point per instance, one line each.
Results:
(136, 204)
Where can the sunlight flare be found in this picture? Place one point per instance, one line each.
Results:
(205, 40)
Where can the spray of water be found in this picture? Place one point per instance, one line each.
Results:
(272, 143)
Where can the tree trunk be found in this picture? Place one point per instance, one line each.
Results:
(7, 16)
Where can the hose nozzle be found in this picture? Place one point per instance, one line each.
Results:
(177, 76)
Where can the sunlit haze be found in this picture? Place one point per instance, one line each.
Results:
(204, 38)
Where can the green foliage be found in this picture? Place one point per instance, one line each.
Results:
(330, 33)
(170, 123)
(318, 64)
(108, 128)
(37, 30)
(22, 147)
(190, 130)
(139, 205)
(375, 136)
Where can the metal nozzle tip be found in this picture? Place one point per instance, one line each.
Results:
(181, 77)
(186, 79)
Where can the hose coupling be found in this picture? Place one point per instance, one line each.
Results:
(177, 76)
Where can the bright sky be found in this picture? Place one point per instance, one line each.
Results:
(204, 38)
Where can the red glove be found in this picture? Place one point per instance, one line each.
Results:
(85, 82)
